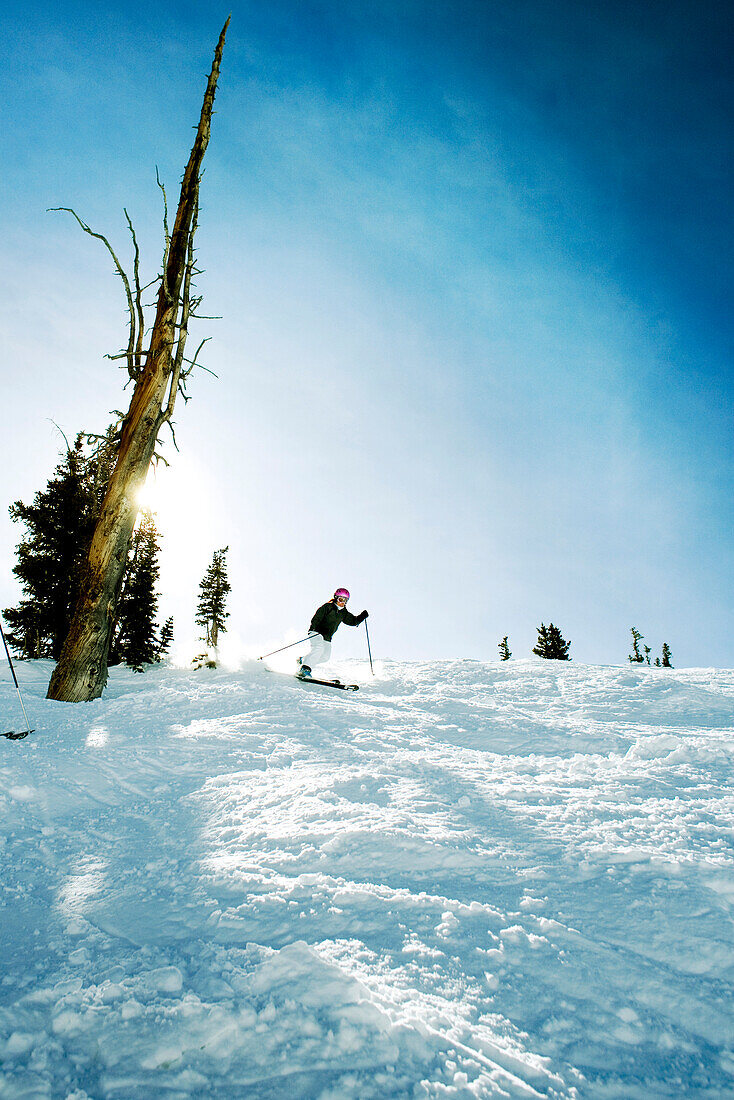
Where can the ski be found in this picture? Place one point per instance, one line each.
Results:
(324, 683)
(328, 683)
(12, 736)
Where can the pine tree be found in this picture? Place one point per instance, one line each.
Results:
(551, 644)
(542, 645)
(59, 525)
(135, 638)
(504, 649)
(213, 591)
(648, 651)
(635, 657)
(666, 655)
(164, 642)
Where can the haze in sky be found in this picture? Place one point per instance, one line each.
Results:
(473, 263)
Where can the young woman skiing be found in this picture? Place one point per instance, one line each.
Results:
(325, 622)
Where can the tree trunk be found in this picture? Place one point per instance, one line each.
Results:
(81, 673)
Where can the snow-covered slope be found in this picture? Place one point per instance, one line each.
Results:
(465, 880)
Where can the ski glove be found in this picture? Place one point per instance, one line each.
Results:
(363, 616)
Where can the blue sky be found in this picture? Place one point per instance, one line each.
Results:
(474, 267)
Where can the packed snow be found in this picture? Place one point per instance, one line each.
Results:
(464, 880)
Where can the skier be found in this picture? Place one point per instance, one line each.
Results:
(325, 623)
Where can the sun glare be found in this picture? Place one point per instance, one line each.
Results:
(148, 495)
(167, 494)
(191, 522)
(180, 498)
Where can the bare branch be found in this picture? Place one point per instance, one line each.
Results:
(104, 443)
(173, 434)
(183, 325)
(135, 363)
(193, 362)
(157, 457)
(63, 433)
(118, 266)
(123, 355)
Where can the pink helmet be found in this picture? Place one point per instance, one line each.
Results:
(342, 593)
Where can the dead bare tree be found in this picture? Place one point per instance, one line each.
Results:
(159, 375)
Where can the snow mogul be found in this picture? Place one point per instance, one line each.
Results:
(325, 623)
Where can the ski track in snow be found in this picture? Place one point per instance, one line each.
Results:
(466, 880)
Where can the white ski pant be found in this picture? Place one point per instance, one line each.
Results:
(320, 652)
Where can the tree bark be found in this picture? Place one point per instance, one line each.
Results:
(81, 673)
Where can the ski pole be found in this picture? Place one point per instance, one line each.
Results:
(289, 646)
(11, 735)
(369, 648)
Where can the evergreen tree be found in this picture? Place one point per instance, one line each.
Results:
(164, 643)
(666, 655)
(504, 649)
(59, 525)
(213, 591)
(635, 657)
(135, 638)
(648, 651)
(542, 645)
(551, 644)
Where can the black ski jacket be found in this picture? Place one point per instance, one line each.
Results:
(327, 619)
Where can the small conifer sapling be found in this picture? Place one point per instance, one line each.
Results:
(165, 640)
(635, 657)
(211, 613)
